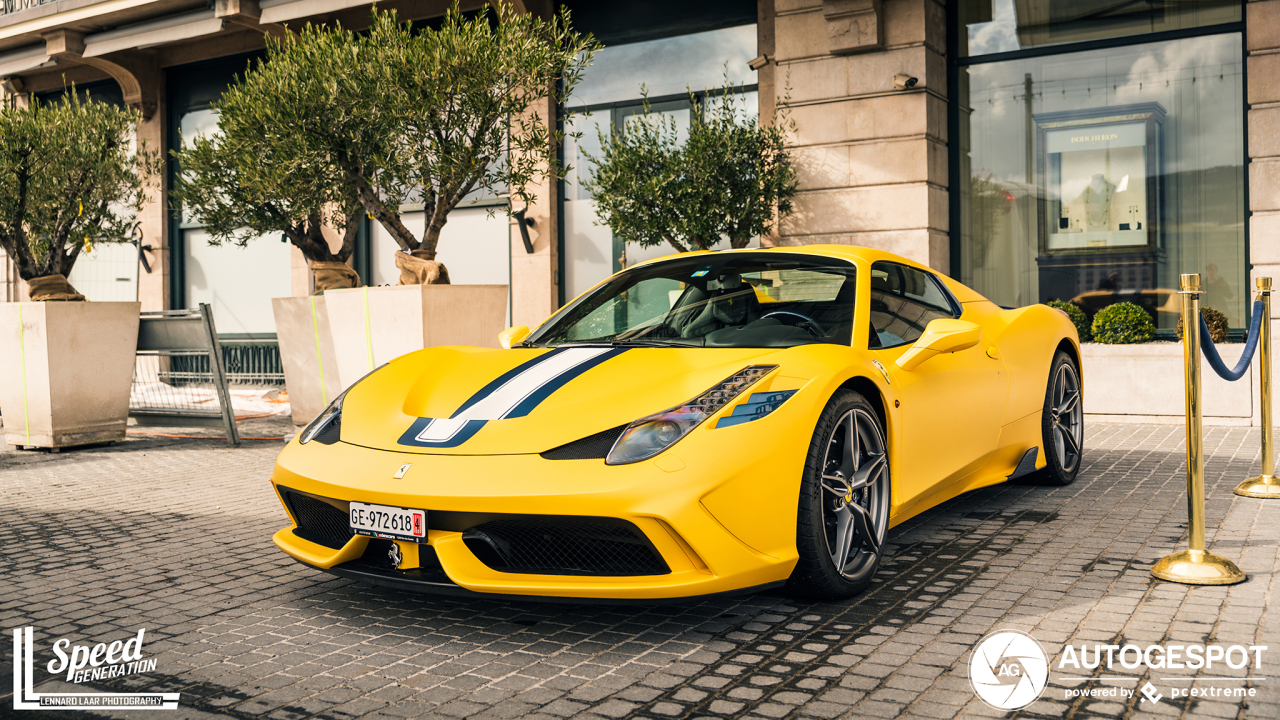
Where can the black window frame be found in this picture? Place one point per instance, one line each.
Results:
(954, 111)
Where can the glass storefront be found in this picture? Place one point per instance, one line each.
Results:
(610, 96)
(988, 27)
(1098, 176)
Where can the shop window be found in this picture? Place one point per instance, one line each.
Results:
(610, 97)
(237, 282)
(904, 301)
(1099, 176)
(999, 26)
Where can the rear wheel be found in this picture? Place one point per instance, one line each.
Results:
(1062, 423)
(844, 501)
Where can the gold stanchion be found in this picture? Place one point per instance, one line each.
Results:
(1194, 566)
(1265, 485)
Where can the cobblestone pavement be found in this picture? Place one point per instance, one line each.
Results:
(174, 536)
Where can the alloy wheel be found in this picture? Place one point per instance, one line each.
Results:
(855, 493)
(1067, 417)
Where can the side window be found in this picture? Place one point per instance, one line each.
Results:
(903, 301)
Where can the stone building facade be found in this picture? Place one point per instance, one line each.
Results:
(932, 129)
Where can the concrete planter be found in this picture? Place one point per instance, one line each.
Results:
(65, 371)
(306, 351)
(373, 325)
(1144, 383)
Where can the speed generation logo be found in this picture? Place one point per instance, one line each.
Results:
(1008, 669)
(83, 663)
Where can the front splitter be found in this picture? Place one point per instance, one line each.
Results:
(415, 581)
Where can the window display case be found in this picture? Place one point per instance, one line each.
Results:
(1099, 202)
(1099, 175)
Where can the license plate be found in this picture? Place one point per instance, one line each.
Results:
(383, 521)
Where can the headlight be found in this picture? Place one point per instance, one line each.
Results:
(650, 435)
(331, 415)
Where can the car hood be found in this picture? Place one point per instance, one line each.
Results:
(475, 401)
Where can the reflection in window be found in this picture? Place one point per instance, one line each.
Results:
(903, 302)
(996, 26)
(611, 90)
(669, 66)
(1100, 176)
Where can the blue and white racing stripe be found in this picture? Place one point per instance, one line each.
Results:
(515, 394)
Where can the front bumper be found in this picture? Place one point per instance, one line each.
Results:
(719, 522)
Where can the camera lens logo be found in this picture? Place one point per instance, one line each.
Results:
(1008, 669)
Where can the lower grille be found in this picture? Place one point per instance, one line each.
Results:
(318, 521)
(564, 545)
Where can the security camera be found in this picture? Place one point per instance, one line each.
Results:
(758, 62)
(903, 81)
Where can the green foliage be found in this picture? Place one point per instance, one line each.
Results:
(1217, 322)
(732, 177)
(397, 114)
(1123, 323)
(248, 180)
(69, 174)
(1077, 315)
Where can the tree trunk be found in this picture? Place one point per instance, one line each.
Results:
(676, 244)
(329, 269)
(374, 207)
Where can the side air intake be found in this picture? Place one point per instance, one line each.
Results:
(318, 521)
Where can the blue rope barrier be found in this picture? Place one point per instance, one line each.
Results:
(1251, 344)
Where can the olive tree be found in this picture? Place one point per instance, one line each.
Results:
(71, 174)
(248, 180)
(399, 114)
(730, 177)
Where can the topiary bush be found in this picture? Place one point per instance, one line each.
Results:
(1078, 318)
(1216, 321)
(1123, 324)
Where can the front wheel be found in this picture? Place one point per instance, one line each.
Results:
(1062, 423)
(844, 501)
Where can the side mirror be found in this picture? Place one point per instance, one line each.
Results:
(514, 335)
(941, 336)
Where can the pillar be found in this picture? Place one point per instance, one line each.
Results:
(871, 157)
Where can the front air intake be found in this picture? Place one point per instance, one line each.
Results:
(591, 447)
(564, 545)
(318, 521)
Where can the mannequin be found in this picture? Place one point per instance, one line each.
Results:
(1097, 204)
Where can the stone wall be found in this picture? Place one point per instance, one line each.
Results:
(872, 158)
(1262, 41)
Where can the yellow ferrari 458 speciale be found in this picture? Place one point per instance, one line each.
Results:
(709, 422)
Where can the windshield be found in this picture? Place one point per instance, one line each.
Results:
(752, 299)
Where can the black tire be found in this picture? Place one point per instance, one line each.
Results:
(834, 511)
(1062, 422)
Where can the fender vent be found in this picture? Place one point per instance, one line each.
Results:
(564, 545)
(591, 447)
(318, 521)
